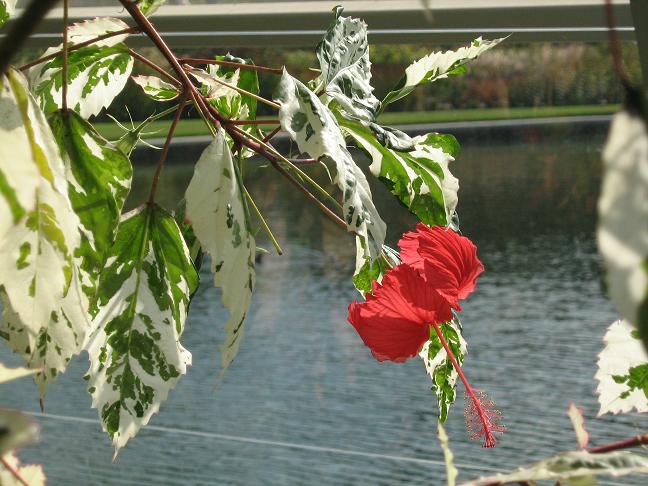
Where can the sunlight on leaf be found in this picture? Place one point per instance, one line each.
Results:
(7, 9)
(156, 89)
(622, 371)
(578, 422)
(9, 374)
(31, 474)
(451, 470)
(89, 29)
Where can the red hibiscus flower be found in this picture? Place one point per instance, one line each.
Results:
(394, 321)
(447, 261)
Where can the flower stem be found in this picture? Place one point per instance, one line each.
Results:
(489, 440)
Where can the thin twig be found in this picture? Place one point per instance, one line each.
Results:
(167, 144)
(620, 444)
(258, 121)
(49, 57)
(268, 231)
(13, 471)
(251, 67)
(154, 66)
(21, 29)
(64, 92)
(270, 136)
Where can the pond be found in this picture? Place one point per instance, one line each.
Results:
(305, 402)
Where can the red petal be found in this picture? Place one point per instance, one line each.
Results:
(447, 260)
(395, 320)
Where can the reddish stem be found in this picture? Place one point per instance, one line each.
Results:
(272, 134)
(154, 66)
(489, 439)
(130, 30)
(258, 121)
(251, 67)
(620, 444)
(615, 47)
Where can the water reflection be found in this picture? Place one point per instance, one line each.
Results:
(303, 378)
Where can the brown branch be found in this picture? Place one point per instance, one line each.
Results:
(49, 57)
(167, 144)
(250, 67)
(620, 444)
(258, 121)
(615, 47)
(21, 29)
(271, 134)
(154, 66)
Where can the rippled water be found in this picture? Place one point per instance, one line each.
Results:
(305, 403)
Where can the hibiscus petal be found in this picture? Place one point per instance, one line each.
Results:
(395, 320)
(447, 260)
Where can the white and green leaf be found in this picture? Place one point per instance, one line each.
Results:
(99, 178)
(367, 270)
(576, 468)
(45, 314)
(156, 88)
(7, 9)
(622, 371)
(16, 430)
(96, 75)
(623, 217)
(345, 67)
(148, 7)
(217, 210)
(144, 291)
(317, 133)
(439, 366)
(420, 178)
(226, 99)
(435, 66)
(89, 29)
(10, 374)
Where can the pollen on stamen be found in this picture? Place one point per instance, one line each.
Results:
(482, 419)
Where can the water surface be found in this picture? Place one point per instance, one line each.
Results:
(305, 403)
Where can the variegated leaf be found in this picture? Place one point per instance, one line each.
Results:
(420, 178)
(157, 89)
(16, 430)
(439, 366)
(99, 178)
(45, 314)
(623, 217)
(576, 468)
(7, 9)
(227, 100)
(89, 29)
(9, 374)
(367, 270)
(345, 67)
(32, 474)
(19, 167)
(218, 213)
(96, 75)
(437, 65)
(316, 132)
(622, 371)
(135, 353)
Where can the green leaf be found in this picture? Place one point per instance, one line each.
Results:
(218, 213)
(45, 314)
(439, 366)
(316, 132)
(623, 217)
(135, 353)
(156, 89)
(96, 75)
(369, 270)
(89, 29)
(420, 178)
(622, 371)
(345, 67)
(99, 177)
(148, 7)
(7, 9)
(576, 467)
(437, 65)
